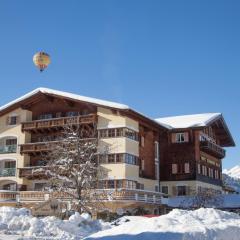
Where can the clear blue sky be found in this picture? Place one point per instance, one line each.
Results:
(160, 57)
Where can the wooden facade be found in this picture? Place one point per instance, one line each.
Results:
(191, 154)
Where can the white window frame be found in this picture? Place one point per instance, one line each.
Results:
(179, 137)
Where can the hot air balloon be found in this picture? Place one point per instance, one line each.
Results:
(41, 60)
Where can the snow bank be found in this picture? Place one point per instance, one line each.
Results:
(20, 222)
(201, 224)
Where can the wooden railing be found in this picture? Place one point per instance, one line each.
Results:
(7, 196)
(46, 146)
(37, 147)
(212, 148)
(58, 122)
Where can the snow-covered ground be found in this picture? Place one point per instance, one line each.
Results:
(201, 224)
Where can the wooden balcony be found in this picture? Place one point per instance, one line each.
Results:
(212, 149)
(58, 123)
(34, 148)
(37, 147)
(28, 172)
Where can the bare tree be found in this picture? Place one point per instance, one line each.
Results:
(203, 198)
(72, 166)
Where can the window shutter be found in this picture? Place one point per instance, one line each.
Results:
(8, 120)
(186, 168)
(186, 137)
(17, 119)
(174, 168)
(173, 137)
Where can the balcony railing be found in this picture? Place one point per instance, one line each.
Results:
(7, 172)
(212, 148)
(8, 149)
(58, 122)
(45, 146)
(37, 147)
(105, 195)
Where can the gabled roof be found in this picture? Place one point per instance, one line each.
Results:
(30, 97)
(68, 95)
(188, 121)
(198, 121)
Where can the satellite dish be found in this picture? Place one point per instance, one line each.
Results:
(41, 60)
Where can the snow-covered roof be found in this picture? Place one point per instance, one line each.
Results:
(68, 95)
(188, 121)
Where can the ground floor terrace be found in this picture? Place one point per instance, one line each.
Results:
(113, 200)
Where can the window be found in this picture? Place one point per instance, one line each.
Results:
(180, 137)
(10, 164)
(199, 168)
(103, 133)
(39, 186)
(181, 190)
(131, 134)
(204, 170)
(140, 186)
(111, 158)
(186, 168)
(72, 114)
(156, 170)
(12, 120)
(45, 116)
(119, 132)
(111, 184)
(119, 158)
(156, 147)
(130, 159)
(111, 133)
(156, 188)
(58, 114)
(131, 184)
(10, 142)
(119, 184)
(174, 168)
(216, 174)
(165, 189)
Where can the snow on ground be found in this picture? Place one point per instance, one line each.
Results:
(201, 224)
(20, 222)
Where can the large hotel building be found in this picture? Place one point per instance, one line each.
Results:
(147, 158)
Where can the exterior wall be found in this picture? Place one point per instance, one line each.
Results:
(15, 131)
(112, 119)
(192, 186)
(119, 145)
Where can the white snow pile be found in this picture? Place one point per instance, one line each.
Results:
(20, 222)
(201, 224)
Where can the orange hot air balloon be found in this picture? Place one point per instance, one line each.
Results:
(41, 60)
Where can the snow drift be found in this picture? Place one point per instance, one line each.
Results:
(20, 222)
(204, 224)
(201, 224)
